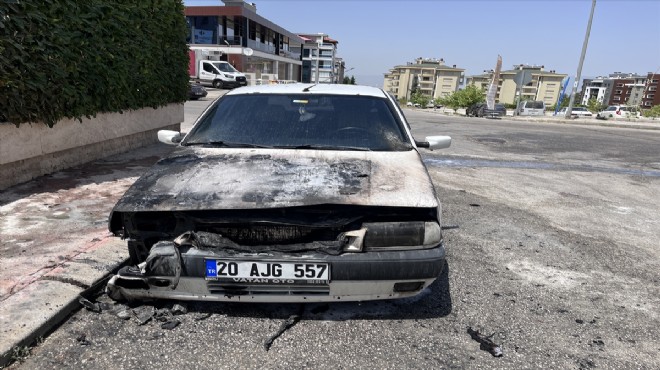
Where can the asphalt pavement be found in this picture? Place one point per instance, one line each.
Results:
(54, 242)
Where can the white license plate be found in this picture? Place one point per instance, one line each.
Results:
(268, 272)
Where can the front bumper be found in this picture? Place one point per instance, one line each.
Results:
(354, 277)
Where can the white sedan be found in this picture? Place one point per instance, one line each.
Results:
(576, 112)
(285, 193)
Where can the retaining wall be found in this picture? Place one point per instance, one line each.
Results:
(33, 150)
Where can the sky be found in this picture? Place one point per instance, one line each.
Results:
(376, 35)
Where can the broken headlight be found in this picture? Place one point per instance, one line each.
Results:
(402, 235)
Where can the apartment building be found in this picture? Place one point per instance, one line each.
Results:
(428, 75)
(259, 48)
(651, 97)
(529, 82)
(593, 88)
(319, 59)
(624, 88)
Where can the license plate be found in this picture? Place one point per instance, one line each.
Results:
(268, 272)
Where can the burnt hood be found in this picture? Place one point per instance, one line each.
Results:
(211, 178)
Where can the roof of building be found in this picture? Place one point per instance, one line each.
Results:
(429, 65)
(237, 10)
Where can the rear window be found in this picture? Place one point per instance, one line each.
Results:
(611, 108)
(535, 105)
(302, 120)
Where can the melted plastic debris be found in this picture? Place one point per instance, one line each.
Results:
(291, 321)
(90, 306)
(486, 344)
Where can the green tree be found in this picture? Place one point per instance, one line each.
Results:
(346, 80)
(464, 98)
(594, 106)
(415, 86)
(352, 80)
(418, 98)
(653, 112)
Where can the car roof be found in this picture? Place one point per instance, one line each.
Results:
(315, 89)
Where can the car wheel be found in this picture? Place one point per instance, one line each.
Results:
(218, 84)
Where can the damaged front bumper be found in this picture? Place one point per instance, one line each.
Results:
(181, 273)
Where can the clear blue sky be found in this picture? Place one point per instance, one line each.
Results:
(376, 35)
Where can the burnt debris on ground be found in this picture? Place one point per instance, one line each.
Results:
(485, 343)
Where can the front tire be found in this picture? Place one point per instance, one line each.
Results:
(218, 84)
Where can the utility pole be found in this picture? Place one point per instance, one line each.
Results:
(569, 110)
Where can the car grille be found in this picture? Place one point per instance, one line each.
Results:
(232, 289)
(241, 79)
(272, 234)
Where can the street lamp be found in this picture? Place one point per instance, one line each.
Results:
(569, 109)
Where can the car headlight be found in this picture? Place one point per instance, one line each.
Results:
(402, 235)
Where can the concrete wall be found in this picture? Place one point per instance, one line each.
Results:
(32, 150)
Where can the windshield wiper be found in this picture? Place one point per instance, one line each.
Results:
(227, 144)
(323, 147)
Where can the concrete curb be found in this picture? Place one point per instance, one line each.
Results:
(650, 125)
(40, 307)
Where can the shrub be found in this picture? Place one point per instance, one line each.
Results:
(73, 59)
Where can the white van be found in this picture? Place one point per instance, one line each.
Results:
(530, 108)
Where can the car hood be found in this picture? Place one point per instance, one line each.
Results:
(211, 178)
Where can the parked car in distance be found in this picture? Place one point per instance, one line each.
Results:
(481, 110)
(499, 110)
(576, 112)
(285, 193)
(618, 111)
(196, 91)
(530, 108)
(471, 111)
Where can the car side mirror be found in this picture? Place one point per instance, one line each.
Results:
(170, 137)
(435, 142)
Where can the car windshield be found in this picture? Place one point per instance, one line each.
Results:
(225, 67)
(301, 121)
(611, 108)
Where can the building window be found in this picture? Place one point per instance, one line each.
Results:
(648, 103)
(616, 98)
(619, 85)
(650, 96)
(652, 88)
(618, 92)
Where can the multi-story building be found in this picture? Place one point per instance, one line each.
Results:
(529, 82)
(340, 69)
(651, 97)
(593, 88)
(429, 76)
(624, 88)
(319, 56)
(254, 45)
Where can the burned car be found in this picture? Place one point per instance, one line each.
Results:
(285, 193)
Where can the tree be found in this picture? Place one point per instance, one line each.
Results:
(346, 80)
(594, 106)
(415, 86)
(419, 98)
(464, 98)
(653, 112)
(352, 80)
